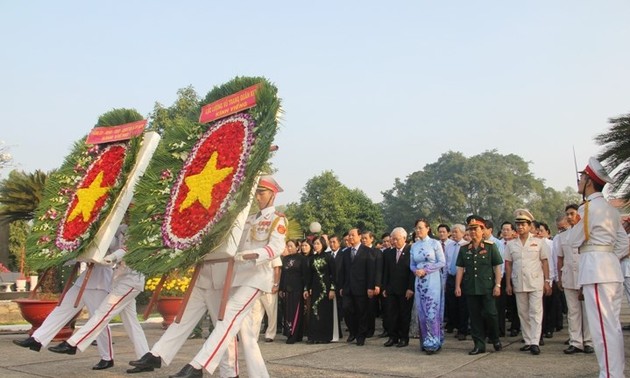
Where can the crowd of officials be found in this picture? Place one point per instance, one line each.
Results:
(466, 279)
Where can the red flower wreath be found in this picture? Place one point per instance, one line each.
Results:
(90, 196)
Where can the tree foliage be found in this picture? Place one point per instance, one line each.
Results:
(616, 154)
(20, 194)
(489, 184)
(336, 207)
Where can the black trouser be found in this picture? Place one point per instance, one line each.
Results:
(551, 305)
(500, 302)
(483, 319)
(512, 313)
(355, 310)
(456, 308)
(398, 316)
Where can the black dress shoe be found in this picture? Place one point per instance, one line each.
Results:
(541, 342)
(268, 340)
(188, 371)
(402, 343)
(139, 370)
(64, 347)
(461, 336)
(497, 346)
(390, 342)
(548, 335)
(103, 364)
(535, 350)
(310, 342)
(626, 327)
(567, 342)
(476, 351)
(513, 333)
(350, 339)
(572, 350)
(148, 360)
(525, 348)
(360, 341)
(588, 349)
(29, 343)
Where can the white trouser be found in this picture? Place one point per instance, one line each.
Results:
(122, 300)
(63, 313)
(603, 305)
(626, 288)
(530, 312)
(268, 303)
(242, 299)
(177, 333)
(579, 334)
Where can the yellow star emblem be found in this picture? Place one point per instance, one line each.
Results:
(88, 197)
(200, 185)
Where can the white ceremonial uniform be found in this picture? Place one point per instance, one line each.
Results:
(205, 296)
(127, 284)
(601, 278)
(579, 333)
(528, 281)
(267, 303)
(96, 290)
(263, 234)
(625, 270)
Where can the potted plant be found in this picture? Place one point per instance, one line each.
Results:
(171, 295)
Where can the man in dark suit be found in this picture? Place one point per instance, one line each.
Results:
(357, 286)
(367, 239)
(337, 254)
(398, 282)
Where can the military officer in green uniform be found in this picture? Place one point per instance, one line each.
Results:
(479, 275)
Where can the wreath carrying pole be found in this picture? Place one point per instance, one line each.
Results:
(88, 273)
(69, 282)
(33, 292)
(189, 290)
(154, 297)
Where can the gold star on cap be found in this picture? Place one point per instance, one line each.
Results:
(200, 185)
(87, 198)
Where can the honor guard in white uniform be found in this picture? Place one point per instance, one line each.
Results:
(263, 236)
(96, 290)
(526, 265)
(568, 267)
(601, 242)
(625, 269)
(127, 284)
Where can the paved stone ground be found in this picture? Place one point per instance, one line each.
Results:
(334, 360)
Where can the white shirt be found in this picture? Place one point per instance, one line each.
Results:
(605, 229)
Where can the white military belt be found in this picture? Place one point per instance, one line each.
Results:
(595, 248)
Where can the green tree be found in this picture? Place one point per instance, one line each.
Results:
(186, 106)
(336, 207)
(20, 194)
(616, 154)
(488, 184)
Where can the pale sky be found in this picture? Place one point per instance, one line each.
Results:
(372, 90)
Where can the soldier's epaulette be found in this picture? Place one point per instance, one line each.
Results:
(488, 241)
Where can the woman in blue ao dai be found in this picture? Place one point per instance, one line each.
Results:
(427, 258)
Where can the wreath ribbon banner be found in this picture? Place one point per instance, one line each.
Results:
(98, 246)
(229, 105)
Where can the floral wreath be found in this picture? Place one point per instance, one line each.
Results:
(199, 179)
(79, 195)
